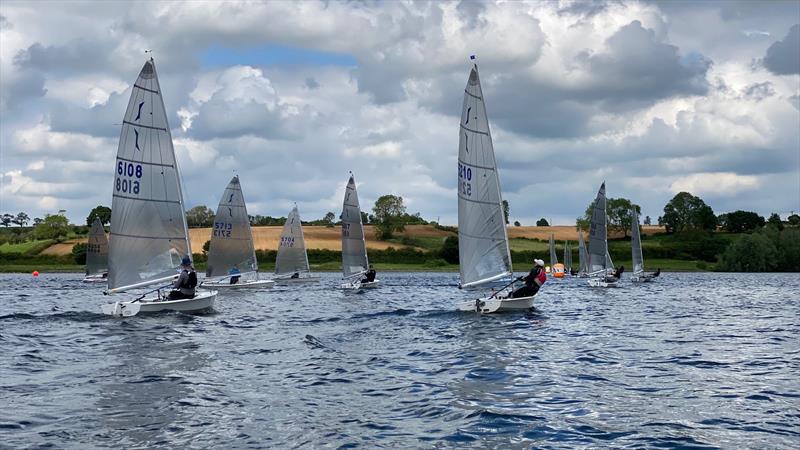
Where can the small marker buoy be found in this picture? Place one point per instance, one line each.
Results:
(35, 273)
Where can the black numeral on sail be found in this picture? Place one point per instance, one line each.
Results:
(128, 175)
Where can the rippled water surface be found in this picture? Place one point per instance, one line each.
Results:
(694, 360)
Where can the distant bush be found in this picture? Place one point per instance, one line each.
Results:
(445, 227)
(750, 253)
(435, 262)
(449, 250)
(79, 253)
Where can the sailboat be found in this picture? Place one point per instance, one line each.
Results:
(149, 236)
(354, 248)
(483, 251)
(97, 254)
(583, 258)
(291, 264)
(567, 259)
(556, 269)
(638, 275)
(231, 254)
(600, 263)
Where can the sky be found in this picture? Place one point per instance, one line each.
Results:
(655, 98)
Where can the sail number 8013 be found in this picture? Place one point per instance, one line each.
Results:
(128, 175)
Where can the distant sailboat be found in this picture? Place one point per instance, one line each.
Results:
(291, 263)
(583, 257)
(638, 275)
(567, 259)
(232, 259)
(484, 255)
(355, 262)
(97, 254)
(556, 269)
(149, 236)
(600, 263)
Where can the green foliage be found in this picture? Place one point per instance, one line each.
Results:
(7, 219)
(264, 221)
(775, 221)
(789, 250)
(542, 223)
(52, 227)
(206, 247)
(647, 221)
(21, 219)
(389, 212)
(506, 210)
(794, 220)
(449, 250)
(618, 212)
(449, 228)
(517, 224)
(79, 253)
(328, 219)
(740, 221)
(99, 212)
(200, 216)
(750, 253)
(687, 212)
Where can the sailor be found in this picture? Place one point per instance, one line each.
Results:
(618, 273)
(184, 286)
(295, 276)
(235, 271)
(533, 281)
(657, 272)
(369, 275)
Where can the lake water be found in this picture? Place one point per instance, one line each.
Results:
(694, 360)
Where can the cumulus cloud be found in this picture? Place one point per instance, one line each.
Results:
(783, 57)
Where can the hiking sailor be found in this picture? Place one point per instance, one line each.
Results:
(184, 286)
(533, 281)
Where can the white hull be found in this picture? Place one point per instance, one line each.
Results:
(301, 280)
(202, 301)
(95, 279)
(490, 305)
(642, 279)
(602, 283)
(355, 285)
(242, 284)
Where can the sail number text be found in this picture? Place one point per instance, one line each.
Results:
(287, 241)
(128, 176)
(222, 229)
(464, 180)
(345, 230)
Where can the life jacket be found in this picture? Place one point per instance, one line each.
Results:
(541, 277)
(191, 282)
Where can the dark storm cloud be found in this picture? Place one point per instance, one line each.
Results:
(79, 55)
(783, 57)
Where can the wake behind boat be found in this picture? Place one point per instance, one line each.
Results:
(483, 251)
(232, 260)
(149, 237)
(355, 263)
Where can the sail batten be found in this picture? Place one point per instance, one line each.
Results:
(354, 248)
(231, 237)
(148, 225)
(292, 256)
(484, 255)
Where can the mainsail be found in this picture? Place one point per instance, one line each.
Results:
(483, 250)
(354, 249)
(148, 225)
(292, 255)
(553, 257)
(599, 260)
(231, 236)
(583, 259)
(636, 244)
(567, 257)
(97, 250)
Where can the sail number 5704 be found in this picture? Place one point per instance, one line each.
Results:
(128, 176)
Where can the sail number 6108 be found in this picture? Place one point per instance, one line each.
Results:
(128, 175)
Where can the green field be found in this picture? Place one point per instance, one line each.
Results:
(30, 247)
(522, 244)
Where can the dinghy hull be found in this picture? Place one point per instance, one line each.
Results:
(202, 301)
(355, 285)
(244, 284)
(496, 305)
(602, 283)
(301, 280)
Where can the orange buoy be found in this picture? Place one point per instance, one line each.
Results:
(35, 273)
(558, 270)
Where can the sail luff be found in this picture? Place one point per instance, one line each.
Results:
(484, 253)
(636, 244)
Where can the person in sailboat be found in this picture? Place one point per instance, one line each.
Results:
(184, 286)
(295, 275)
(616, 275)
(236, 274)
(369, 276)
(533, 281)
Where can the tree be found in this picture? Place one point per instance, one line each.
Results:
(99, 212)
(79, 253)
(517, 224)
(618, 215)
(389, 211)
(647, 221)
(750, 253)
(200, 216)
(7, 219)
(686, 212)
(37, 221)
(364, 217)
(775, 221)
(794, 220)
(206, 247)
(542, 223)
(506, 210)
(449, 250)
(740, 221)
(328, 219)
(52, 227)
(21, 219)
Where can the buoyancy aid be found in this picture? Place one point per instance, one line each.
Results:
(541, 277)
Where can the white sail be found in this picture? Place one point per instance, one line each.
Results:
(483, 250)
(148, 225)
(553, 256)
(567, 257)
(583, 258)
(97, 250)
(354, 248)
(292, 256)
(599, 260)
(231, 236)
(636, 244)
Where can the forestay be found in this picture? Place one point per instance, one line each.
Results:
(292, 257)
(598, 246)
(148, 226)
(483, 250)
(97, 250)
(636, 244)
(231, 237)
(553, 257)
(354, 249)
